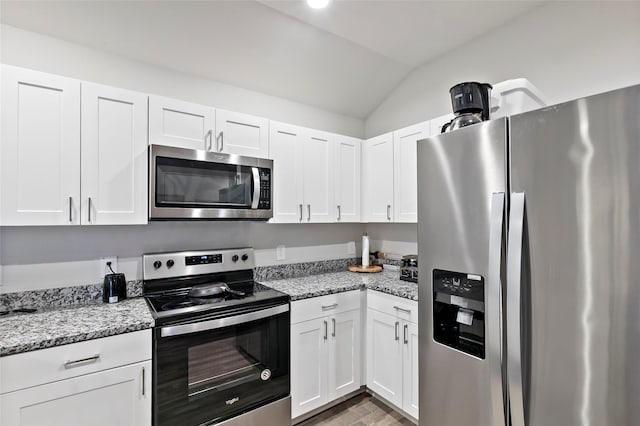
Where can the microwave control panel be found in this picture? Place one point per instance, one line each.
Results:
(265, 189)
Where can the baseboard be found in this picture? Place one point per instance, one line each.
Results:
(305, 416)
(392, 406)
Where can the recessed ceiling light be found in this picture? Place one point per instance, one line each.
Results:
(318, 4)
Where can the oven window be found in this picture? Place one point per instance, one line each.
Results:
(190, 183)
(225, 363)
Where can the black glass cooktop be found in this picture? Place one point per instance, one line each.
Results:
(173, 305)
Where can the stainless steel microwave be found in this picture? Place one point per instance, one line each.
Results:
(189, 184)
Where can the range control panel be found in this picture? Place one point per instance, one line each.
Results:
(188, 263)
(469, 286)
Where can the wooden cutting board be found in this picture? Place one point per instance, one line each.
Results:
(370, 268)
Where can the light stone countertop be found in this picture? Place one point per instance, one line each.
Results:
(54, 327)
(319, 285)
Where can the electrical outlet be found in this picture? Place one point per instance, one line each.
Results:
(351, 247)
(281, 252)
(104, 269)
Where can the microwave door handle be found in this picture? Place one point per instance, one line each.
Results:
(256, 188)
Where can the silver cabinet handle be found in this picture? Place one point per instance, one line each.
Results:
(398, 308)
(221, 139)
(397, 332)
(327, 307)
(308, 212)
(406, 332)
(339, 212)
(300, 212)
(83, 361)
(89, 209)
(143, 384)
(492, 312)
(70, 209)
(209, 136)
(333, 320)
(514, 283)
(326, 326)
(388, 211)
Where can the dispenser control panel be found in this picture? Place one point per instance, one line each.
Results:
(459, 284)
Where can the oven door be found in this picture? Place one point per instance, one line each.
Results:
(193, 184)
(206, 372)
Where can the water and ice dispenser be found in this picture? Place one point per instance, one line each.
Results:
(458, 311)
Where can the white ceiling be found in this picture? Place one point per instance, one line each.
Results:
(345, 59)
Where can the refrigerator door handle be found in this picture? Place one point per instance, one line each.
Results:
(494, 311)
(514, 307)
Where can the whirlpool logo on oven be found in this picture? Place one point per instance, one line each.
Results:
(232, 400)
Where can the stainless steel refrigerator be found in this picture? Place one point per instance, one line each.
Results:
(529, 245)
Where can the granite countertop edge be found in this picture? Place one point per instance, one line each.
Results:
(311, 286)
(71, 324)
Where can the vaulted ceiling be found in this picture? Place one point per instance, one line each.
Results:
(346, 58)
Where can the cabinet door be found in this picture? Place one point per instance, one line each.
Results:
(410, 400)
(40, 149)
(309, 365)
(347, 179)
(384, 356)
(241, 134)
(181, 124)
(114, 156)
(318, 177)
(286, 143)
(405, 172)
(344, 354)
(116, 397)
(377, 179)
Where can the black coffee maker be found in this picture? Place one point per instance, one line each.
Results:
(470, 102)
(114, 288)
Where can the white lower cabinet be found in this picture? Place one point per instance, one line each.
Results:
(392, 350)
(325, 350)
(102, 382)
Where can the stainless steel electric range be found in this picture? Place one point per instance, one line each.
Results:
(221, 341)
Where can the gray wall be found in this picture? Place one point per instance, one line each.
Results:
(40, 52)
(567, 49)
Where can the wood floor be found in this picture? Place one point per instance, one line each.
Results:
(361, 410)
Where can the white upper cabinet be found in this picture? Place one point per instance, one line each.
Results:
(303, 174)
(40, 149)
(405, 171)
(347, 178)
(181, 124)
(285, 146)
(114, 156)
(241, 134)
(318, 176)
(377, 179)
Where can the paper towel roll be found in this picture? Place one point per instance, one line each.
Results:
(365, 250)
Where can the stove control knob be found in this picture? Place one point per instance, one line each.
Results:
(169, 263)
(245, 257)
(157, 264)
(234, 257)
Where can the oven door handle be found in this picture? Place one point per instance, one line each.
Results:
(178, 330)
(256, 188)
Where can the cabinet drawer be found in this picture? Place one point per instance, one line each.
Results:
(62, 362)
(317, 307)
(393, 305)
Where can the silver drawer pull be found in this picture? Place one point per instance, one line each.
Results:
(327, 307)
(79, 362)
(398, 308)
